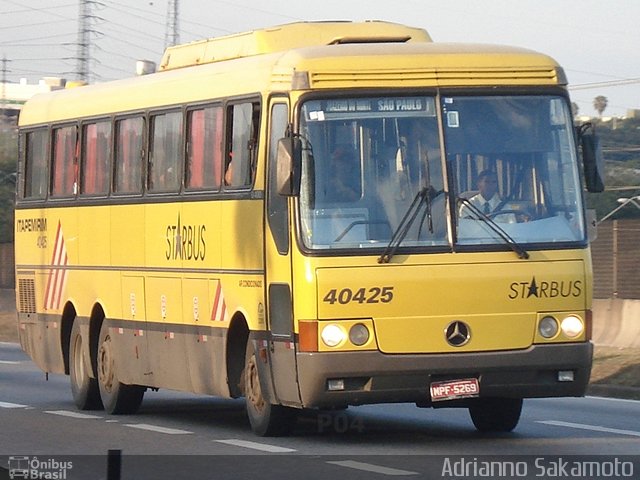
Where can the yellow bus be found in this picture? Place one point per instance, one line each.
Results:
(311, 216)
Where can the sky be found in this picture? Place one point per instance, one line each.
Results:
(596, 41)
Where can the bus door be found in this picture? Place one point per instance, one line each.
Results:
(279, 292)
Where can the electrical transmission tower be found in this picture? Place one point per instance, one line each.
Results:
(86, 20)
(172, 34)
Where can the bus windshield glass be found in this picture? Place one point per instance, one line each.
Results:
(378, 168)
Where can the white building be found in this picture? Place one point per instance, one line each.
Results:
(14, 95)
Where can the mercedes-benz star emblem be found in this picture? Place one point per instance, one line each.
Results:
(457, 334)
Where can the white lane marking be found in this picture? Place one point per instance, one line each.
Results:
(156, 428)
(594, 428)
(67, 413)
(611, 399)
(9, 362)
(368, 467)
(256, 446)
(12, 405)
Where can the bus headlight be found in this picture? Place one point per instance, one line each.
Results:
(572, 326)
(548, 327)
(359, 334)
(332, 335)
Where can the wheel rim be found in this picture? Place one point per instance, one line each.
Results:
(78, 362)
(253, 390)
(105, 365)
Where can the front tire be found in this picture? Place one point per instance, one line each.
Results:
(266, 420)
(117, 397)
(85, 390)
(496, 414)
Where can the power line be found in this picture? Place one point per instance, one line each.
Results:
(51, 22)
(612, 83)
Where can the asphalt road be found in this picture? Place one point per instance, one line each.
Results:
(177, 435)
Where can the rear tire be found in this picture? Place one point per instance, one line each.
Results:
(117, 397)
(496, 414)
(84, 389)
(266, 420)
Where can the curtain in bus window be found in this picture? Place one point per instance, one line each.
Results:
(244, 133)
(204, 156)
(129, 144)
(64, 165)
(35, 170)
(95, 159)
(165, 152)
(195, 151)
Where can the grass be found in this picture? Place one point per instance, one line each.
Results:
(616, 366)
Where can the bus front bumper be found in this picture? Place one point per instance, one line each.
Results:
(375, 377)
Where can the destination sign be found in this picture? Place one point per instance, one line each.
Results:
(321, 110)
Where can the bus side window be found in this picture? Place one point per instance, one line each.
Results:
(165, 152)
(242, 143)
(96, 155)
(204, 148)
(63, 164)
(35, 169)
(129, 153)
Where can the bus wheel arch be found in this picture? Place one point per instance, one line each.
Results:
(118, 398)
(237, 339)
(84, 386)
(95, 324)
(266, 419)
(66, 325)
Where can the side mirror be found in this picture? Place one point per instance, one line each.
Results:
(288, 166)
(592, 159)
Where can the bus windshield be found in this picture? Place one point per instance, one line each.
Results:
(378, 168)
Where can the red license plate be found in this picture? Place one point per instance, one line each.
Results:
(452, 389)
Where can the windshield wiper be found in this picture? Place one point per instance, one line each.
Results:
(423, 197)
(515, 246)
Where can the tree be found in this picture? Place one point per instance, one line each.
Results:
(600, 104)
(8, 159)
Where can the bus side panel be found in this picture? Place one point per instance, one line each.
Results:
(40, 339)
(46, 238)
(200, 357)
(129, 336)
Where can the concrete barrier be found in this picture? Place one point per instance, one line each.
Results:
(616, 322)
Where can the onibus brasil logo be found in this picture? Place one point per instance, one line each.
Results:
(38, 468)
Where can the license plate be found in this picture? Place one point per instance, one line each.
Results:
(453, 389)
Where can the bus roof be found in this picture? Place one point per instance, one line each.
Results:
(287, 37)
(353, 65)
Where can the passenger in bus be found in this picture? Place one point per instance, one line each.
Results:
(228, 174)
(344, 183)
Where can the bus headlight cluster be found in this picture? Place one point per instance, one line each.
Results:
(334, 335)
(359, 334)
(548, 327)
(572, 326)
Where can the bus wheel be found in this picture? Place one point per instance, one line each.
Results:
(496, 414)
(266, 420)
(117, 397)
(84, 389)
